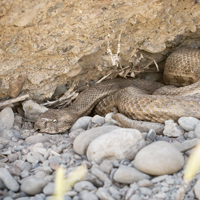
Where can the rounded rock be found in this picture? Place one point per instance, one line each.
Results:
(49, 189)
(8, 180)
(33, 185)
(37, 138)
(82, 122)
(7, 117)
(128, 175)
(84, 185)
(197, 130)
(117, 145)
(159, 158)
(188, 123)
(32, 110)
(85, 138)
(196, 189)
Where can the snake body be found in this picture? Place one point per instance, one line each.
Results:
(133, 97)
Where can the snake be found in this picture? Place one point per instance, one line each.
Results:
(136, 99)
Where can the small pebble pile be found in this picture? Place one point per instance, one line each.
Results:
(122, 163)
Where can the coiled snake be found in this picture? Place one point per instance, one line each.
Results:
(133, 97)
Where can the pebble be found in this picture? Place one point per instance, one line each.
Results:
(159, 178)
(85, 195)
(172, 129)
(6, 118)
(49, 189)
(197, 190)
(188, 123)
(101, 175)
(24, 173)
(114, 192)
(84, 185)
(159, 158)
(98, 120)
(93, 179)
(33, 185)
(34, 157)
(117, 145)
(145, 183)
(135, 197)
(128, 175)
(82, 123)
(37, 138)
(103, 194)
(32, 110)
(6, 133)
(83, 140)
(197, 130)
(145, 191)
(186, 145)
(106, 166)
(8, 180)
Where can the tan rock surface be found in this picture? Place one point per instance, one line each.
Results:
(66, 42)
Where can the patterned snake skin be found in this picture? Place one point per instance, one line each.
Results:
(133, 97)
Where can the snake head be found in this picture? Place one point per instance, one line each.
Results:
(54, 121)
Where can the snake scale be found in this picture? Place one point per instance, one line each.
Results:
(135, 98)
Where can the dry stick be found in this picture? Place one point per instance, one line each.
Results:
(15, 100)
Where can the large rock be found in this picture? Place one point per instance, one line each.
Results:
(49, 43)
(83, 140)
(159, 158)
(119, 144)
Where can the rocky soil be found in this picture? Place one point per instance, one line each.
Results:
(122, 163)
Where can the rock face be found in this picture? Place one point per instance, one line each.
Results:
(51, 43)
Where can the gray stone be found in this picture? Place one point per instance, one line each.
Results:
(114, 192)
(6, 133)
(98, 120)
(34, 157)
(82, 122)
(145, 183)
(84, 185)
(159, 158)
(93, 179)
(186, 145)
(161, 195)
(128, 175)
(103, 194)
(145, 191)
(188, 123)
(39, 197)
(106, 166)
(83, 140)
(197, 190)
(8, 180)
(101, 175)
(8, 198)
(85, 195)
(24, 173)
(71, 193)
(49, 189)
(37, 138)
(33, 185)
(159, 178)
(135, 197)
(67, 198)
(7, 118)
(191, 134)
(197, 130)
(172, 129)
(122, 143)
(32, 110)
